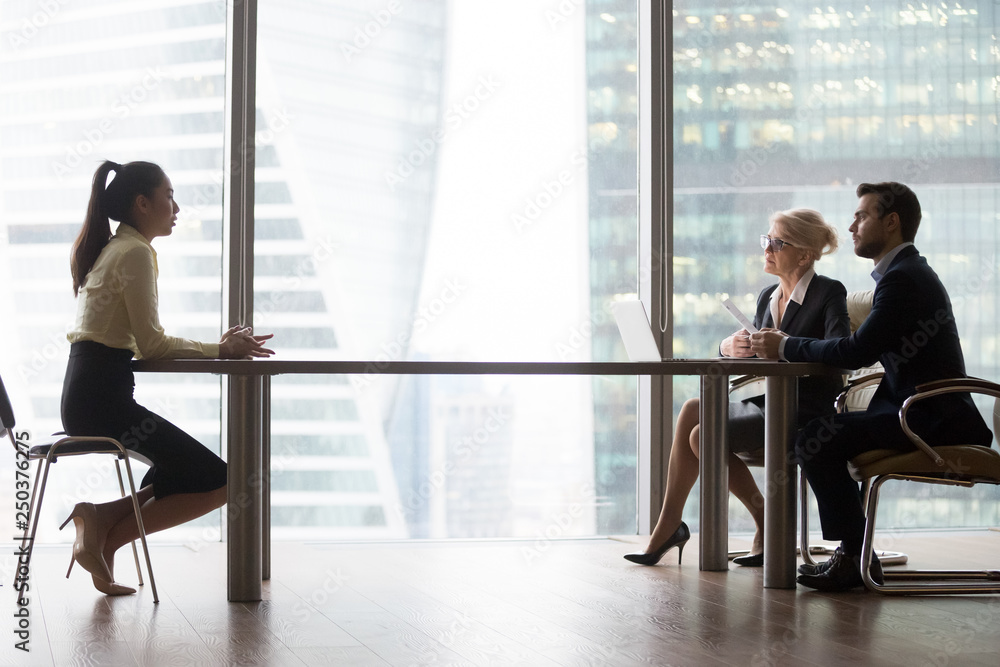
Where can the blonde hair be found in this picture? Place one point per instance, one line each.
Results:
(806, 229)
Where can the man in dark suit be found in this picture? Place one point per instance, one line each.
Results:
(911, 330)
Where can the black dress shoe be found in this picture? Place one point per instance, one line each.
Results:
(750, 560)
(843, 573)
(818, 568)
(678, 539)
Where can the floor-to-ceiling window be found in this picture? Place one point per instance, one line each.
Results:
(434, 180)
(792, 104)
(80, 83)
(448, 181)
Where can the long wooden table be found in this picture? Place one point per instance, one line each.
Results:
(249, 445)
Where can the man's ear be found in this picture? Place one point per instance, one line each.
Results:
(893, 225)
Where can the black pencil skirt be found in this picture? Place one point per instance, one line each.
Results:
(98, 400)
(745, 428)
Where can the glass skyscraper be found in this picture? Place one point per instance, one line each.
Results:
(789, 104)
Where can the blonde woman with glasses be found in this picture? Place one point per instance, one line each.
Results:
(802, 303)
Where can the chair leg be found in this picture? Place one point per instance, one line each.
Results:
(940, 582)
(38, 509)
(807, 550)
(804, 549)
(34, 508)
(885, 557)
(135, 552)
(142, 528)
(32, 511)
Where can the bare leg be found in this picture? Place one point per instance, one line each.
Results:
(117, 518)
(744, 487)
(682, 471)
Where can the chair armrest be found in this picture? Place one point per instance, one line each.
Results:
(973, 385)
(856, 384)
(936, 388)
(742, 380)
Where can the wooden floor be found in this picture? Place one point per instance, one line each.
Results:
(496, 603)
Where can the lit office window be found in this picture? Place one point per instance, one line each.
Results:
(800, 103)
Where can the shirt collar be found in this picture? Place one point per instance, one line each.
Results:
(883, 265)
(128, 231)
(798, 294)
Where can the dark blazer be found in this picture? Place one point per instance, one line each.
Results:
(822, 314)
(911, 330)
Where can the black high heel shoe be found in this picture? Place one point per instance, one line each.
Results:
(678, 539)
(750, 560)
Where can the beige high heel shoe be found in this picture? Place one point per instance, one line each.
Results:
(111, 588)
(86, 550)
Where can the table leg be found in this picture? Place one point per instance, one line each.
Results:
(244, 508)
(714, 470)
(265, 488)
(781, 406)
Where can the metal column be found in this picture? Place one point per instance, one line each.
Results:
(714, 470)
(244, 508)
(245, 430)
(779, 474)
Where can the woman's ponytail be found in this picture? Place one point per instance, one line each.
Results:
(96, 230)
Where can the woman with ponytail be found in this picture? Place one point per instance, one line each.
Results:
(114, 279)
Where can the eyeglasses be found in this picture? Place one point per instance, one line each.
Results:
(774, 244)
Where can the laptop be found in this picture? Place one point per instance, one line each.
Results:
(633, 325)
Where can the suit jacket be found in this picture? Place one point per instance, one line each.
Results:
(822, 314)
(911, 329)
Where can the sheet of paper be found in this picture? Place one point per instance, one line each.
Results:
(740, 317)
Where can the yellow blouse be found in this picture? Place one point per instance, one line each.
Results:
(117, 305)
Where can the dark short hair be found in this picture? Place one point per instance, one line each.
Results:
(899, 199)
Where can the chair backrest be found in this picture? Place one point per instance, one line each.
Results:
(6, 413)
(859, 304)
(996, 420)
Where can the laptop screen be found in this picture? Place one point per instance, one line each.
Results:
(633, 325)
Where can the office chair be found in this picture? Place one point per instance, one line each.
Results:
(952, 465)
(47, 453)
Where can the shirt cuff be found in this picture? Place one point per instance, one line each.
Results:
(781, 348)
